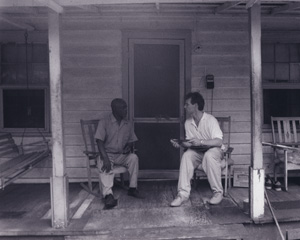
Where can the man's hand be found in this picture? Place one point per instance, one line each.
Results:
(184, 144)
(106, 166)
(127, 148)
(175, 144)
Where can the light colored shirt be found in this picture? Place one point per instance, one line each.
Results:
(115, 136)
(207, 129)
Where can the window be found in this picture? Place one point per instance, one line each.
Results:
(24, 87)
(281, 80)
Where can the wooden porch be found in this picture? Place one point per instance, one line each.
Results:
(25, 212)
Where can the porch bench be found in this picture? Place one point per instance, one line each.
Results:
(17, 162)
(285, 145)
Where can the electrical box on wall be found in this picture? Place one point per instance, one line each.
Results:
(210, 84)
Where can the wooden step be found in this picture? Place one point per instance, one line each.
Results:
(212, 231)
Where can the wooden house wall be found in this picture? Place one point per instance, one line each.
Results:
(283, 30)
(92, 64)
(92, 73)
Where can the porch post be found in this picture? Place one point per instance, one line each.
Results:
(59, 180)
(257, 174)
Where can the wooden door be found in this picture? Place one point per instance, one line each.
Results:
(156, 90)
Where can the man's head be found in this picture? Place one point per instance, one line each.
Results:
(119, 108)
(193, 101)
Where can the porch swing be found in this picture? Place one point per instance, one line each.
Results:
(19, 160)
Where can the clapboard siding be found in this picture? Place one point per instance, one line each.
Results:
(276, 32)
(224, 53)
(92, 69)
(18, 36)
(211, 49)
(75, 116)
(83, 104)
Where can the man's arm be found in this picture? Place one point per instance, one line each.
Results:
(216, 142)
(106, 163)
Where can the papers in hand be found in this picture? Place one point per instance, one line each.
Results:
(199, 148)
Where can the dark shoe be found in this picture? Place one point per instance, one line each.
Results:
(277, 186)
(133, 192)
(268, 184)
(110, 201)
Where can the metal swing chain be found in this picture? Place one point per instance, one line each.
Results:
(27, 87)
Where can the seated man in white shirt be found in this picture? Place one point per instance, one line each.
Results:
(201, 129)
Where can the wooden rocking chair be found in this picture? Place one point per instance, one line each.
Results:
(227, 162)
(89, 128)
(19, 159)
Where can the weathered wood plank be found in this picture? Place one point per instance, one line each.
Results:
(75, 116)
(91, 61)
(91, 104)
(105, 72)
(216, 60)
(222, 71)
(231, 105)
(105, 37)
(223, 82)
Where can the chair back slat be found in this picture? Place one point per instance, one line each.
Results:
(225, 125)
(284, 129)
(295, 131)
(89, 128)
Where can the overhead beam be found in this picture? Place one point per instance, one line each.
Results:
(56, 7)
(287, 7)
(226, 6)
(250, 3)
(89, 8)
(157, 6)
(16, 23)
(65, 3)
(52, 5)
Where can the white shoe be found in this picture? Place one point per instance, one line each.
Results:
(217, 198)
(178, 201)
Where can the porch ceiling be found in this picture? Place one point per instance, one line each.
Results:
(32, 14)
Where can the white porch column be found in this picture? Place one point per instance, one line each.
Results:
(59, 180)
(257, 173)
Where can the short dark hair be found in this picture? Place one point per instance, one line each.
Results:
(196, 98)
(117, 101)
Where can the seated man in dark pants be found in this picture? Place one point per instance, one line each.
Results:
(115, 138)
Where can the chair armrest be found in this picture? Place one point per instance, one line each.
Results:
(229, 150)
(281, 146)
(227, 153)
(91, 154)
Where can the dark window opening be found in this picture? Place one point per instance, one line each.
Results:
(24, 87)
(281, 103)
(23, 108)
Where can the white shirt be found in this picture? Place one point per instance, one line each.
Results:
(207, 129)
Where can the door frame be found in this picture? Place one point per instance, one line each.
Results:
(184, 35)
(154, 34)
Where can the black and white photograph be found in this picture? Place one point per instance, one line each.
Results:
(149, 119)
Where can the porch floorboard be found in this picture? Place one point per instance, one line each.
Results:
(25, 211)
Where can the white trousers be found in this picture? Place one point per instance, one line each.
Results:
(130, 161)
(211, 164)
